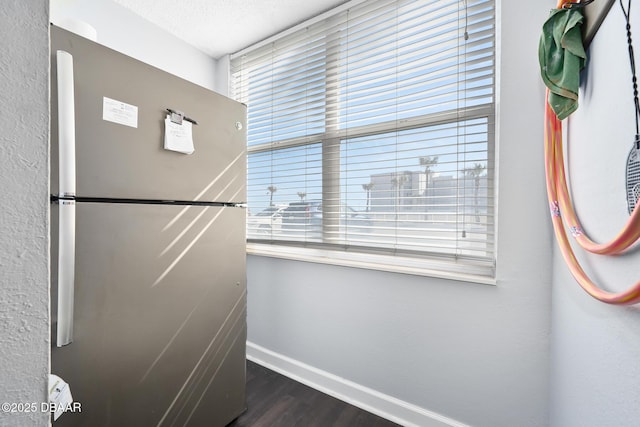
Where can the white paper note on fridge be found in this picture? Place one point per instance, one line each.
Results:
(178, 137)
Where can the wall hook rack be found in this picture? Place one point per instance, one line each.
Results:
(577, 4)
(594, 13)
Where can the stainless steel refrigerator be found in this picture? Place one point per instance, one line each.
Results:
(148, 244)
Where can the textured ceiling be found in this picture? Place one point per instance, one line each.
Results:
(218, 27)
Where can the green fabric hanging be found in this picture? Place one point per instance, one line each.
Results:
(562, 57)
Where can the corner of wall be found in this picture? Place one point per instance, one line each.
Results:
(223, 75)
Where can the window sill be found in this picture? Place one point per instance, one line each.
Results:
(473, 272)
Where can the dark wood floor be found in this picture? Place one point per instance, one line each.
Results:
(274, 400)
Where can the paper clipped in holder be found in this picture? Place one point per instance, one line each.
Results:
(178, 132)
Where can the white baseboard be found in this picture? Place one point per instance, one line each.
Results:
(396, 410)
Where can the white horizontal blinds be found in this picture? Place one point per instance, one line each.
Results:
(378, 119)
(277, 178)
(409, 59)
(411, 64)
(283, 85)
(421, 188)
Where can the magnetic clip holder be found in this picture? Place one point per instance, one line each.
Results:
(176, 117)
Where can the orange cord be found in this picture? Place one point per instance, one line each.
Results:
(629, 234)
(559, 201)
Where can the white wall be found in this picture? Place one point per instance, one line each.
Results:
(24, 174)
(473, 353)
(595, 376)
(126, 32)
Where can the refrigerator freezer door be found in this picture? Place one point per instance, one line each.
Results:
(116, 160)
(160, 312)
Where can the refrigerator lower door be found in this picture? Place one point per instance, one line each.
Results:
(160, 316)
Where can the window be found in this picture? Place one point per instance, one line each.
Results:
(371, 137)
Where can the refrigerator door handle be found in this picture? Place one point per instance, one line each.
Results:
(66, 125)
(67, 188)
(66, 270)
